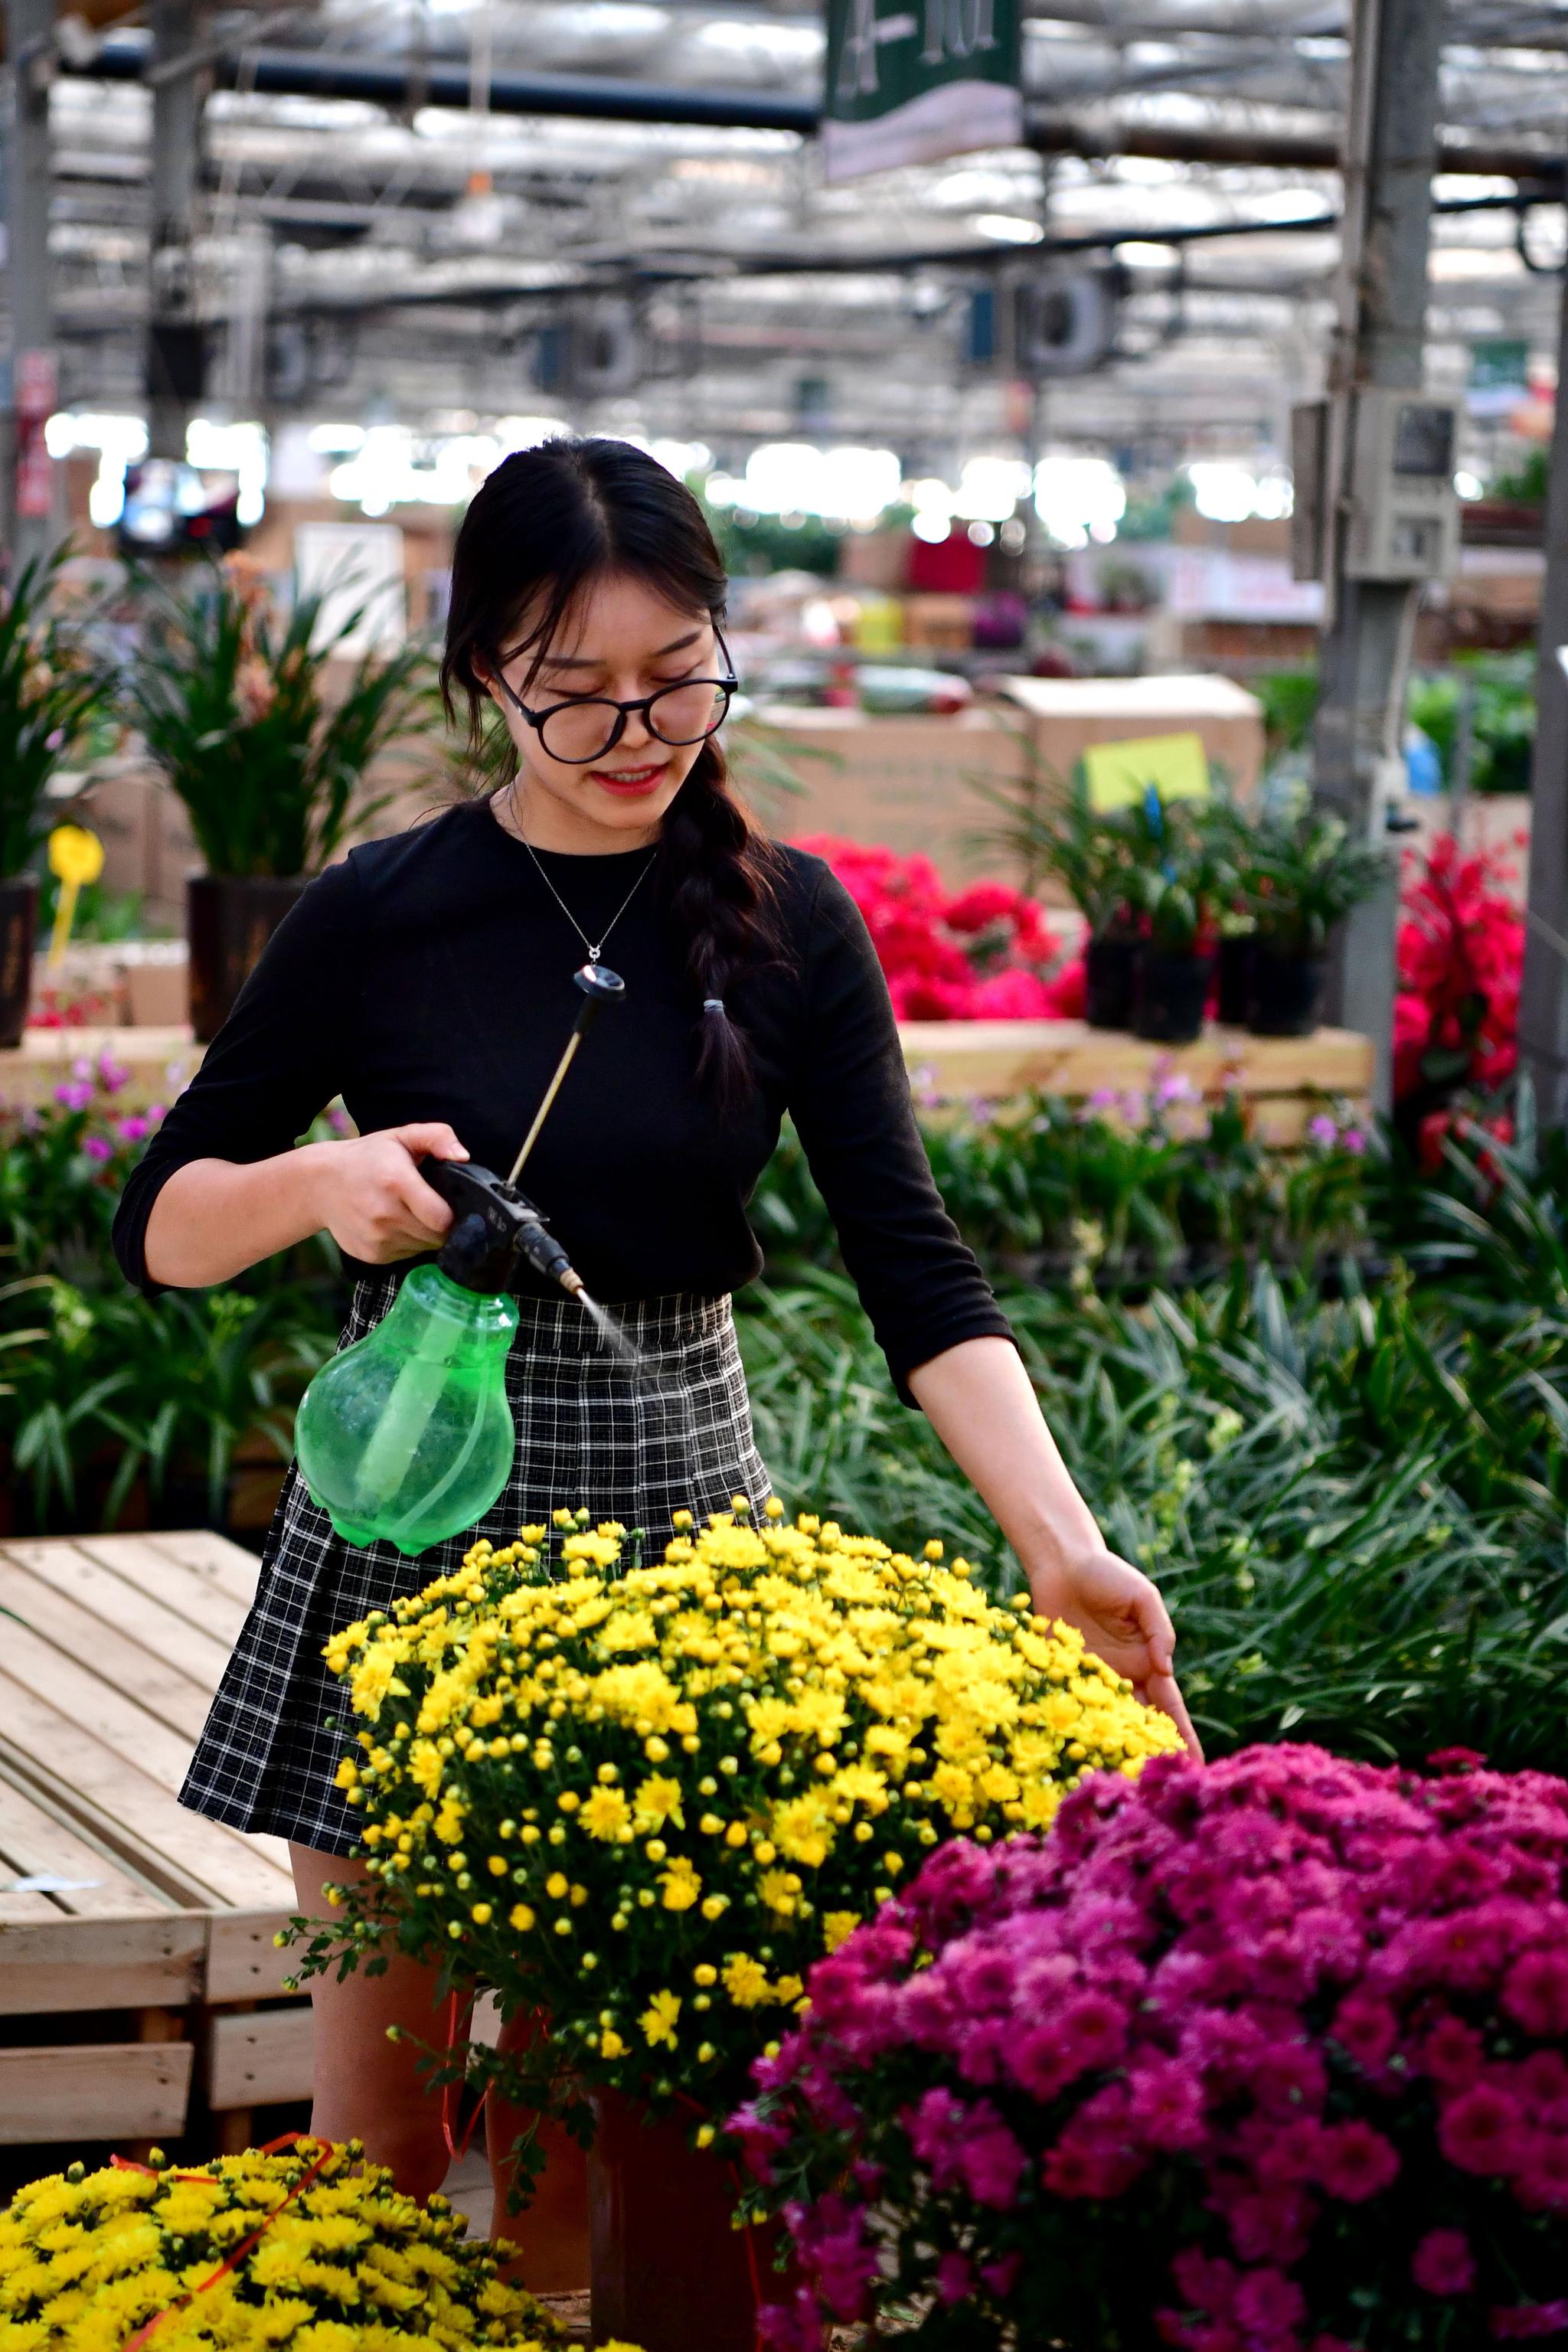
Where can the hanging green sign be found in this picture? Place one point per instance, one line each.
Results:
(909, 84)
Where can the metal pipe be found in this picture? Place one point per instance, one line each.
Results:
(446, 83)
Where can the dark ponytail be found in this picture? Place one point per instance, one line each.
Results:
(546, 524)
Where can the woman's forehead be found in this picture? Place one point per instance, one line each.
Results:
(617, 617)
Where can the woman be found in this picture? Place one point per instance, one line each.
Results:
(427, 978)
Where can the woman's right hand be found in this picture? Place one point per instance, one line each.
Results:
(375, 1203)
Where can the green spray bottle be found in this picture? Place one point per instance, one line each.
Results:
(406, 1437)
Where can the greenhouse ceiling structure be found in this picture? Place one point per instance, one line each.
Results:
(614, 211)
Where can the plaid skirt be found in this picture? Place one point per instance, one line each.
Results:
(634, 1441)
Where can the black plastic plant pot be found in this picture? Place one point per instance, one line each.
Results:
(18, 930)
(1284, 993)
(229, 918)
(1233, 980)
(1109, 968)
(1170, 996)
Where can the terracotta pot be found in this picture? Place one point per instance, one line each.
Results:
(671, 2273)
(1109, 967)
(18, 929)
(229, 918)
(1170, 996)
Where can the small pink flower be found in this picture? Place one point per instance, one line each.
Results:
(97, 1147)
(1536, 1992)
(1529, 2319)
(75, 1097)
(1443, 2264)
(1482, 2131)
(1355, 2162)
(953, 2278)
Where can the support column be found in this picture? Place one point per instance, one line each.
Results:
(176, 335)
(1544, 1002)
(32, 367)
(1364, 655)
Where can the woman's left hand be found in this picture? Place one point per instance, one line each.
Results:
(1124, 1622)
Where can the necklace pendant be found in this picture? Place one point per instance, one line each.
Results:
(594, 953)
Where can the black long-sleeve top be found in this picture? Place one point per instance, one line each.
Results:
(428, 976)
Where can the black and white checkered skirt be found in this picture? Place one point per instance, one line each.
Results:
(634, 1442)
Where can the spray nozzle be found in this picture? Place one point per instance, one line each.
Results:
(493, 1226)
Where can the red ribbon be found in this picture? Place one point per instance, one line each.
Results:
(273, 2148)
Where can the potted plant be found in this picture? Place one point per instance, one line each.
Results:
(1305, 874)
(236, 707)
(1092, 855)
(1272, 2053)
(52, 695)
(640, 1800)
(1181, 876)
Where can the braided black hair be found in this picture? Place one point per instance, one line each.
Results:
(546, 523)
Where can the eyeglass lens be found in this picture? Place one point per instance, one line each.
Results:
(682, 714)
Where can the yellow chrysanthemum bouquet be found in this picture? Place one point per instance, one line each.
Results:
(306, 2249)
(641, 1801)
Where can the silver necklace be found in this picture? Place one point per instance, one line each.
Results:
(595, 947)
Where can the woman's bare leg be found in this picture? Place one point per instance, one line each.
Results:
(367, 2087)
(553, 2234)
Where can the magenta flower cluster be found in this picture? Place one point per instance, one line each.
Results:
(1266, 2056)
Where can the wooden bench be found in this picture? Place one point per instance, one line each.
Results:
(149, 1927)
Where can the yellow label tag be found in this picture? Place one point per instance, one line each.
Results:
(75, 855)
(1118, 775)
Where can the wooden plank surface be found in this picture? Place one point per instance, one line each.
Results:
(81, 1699)
(91, 2091)
(259, 2059)
(199, 1862)
(74, 1964)
(100, 1649)
(213, 1601)
(65, 1567)
(243, 1961)
(34, 1842)
(996, 1059)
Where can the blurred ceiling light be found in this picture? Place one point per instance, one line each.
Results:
(796, 478)
(237, 449)
(527, 432)
(990, 487)
(1468, 485)
(1078, 499)
(682, 458)
(119, 442)
(1227, 490)
(1140, 253)
(336, 440)
(1008, 228)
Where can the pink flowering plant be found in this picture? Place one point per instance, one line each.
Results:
(1266, 2056)
(982, 953)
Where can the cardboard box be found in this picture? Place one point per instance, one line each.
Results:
(909, 782)
(1065, 715)
(941, 624)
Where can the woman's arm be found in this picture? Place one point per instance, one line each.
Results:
(212, 1218)
(978, 1398)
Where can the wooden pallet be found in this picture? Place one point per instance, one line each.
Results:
(1285, 1081)
(115, 1903)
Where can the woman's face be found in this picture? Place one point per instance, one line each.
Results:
(620, 641)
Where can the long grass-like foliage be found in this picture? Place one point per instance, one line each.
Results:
(234, 705)
(1355, 1507)
(53, 692)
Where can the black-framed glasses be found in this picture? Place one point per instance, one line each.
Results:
(579, 731)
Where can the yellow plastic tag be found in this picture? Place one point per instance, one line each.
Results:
(75, 857)
(1118, 775)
